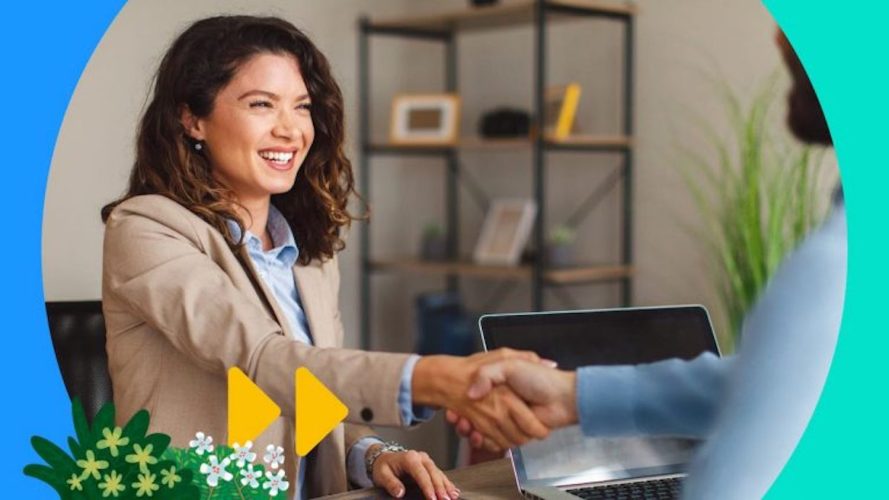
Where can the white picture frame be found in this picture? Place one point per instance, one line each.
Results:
(425, 119)
(505, 231)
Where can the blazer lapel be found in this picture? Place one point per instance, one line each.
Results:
(309, 283)
(267, 296)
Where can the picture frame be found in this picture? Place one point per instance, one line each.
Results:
(505, 231)
(425, 119)
(560, 110)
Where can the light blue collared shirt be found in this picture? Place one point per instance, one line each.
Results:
(275, 267)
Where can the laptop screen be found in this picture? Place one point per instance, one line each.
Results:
(604, 337)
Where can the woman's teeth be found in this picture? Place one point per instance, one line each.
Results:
(277, 157)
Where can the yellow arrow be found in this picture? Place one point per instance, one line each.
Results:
(318, 411)
(250, 410)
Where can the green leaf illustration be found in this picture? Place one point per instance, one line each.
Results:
(52, 454)
(81, 427)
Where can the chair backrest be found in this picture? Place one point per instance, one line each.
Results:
(78, 337)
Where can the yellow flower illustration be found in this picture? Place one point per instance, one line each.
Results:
(74, 482)
(112, 440)
(112, 484)
(146, 485)
(91, 466)
(169, 477)
(142, 456)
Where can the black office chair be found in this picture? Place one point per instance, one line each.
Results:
(78, 337)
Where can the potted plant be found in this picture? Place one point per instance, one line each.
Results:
(757, 199)
(434, 245)
(560, 246)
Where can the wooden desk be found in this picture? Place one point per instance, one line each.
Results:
(489, 481)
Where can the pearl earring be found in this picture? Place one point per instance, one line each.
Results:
(198, 146)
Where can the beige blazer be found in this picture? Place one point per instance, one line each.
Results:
(181, 309)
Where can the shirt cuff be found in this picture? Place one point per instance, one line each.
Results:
(411, 414)
(355, 464)
(606, 400)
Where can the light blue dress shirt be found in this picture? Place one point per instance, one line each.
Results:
(275, 267)
(755, 406)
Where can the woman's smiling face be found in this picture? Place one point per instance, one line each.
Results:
(260, 129)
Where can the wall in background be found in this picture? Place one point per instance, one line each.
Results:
(677, 44)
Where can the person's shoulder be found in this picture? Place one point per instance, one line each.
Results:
(151, 212)
(154, 205)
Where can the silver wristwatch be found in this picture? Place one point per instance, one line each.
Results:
(387, 447)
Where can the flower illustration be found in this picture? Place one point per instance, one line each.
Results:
(250, 476)
(146, 485)
(91, 466)
(112, 484)
(112, 440)
(169, 477)
(142, 456)
(201, 443)
(215, 470)
(74, 482)
(274, 456)
(275, 483)
(243, 454)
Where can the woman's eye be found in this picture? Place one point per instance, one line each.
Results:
(260, 104)
(306, 106)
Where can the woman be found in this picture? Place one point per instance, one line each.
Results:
(222, 254)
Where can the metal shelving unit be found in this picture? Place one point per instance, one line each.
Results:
(444, 28)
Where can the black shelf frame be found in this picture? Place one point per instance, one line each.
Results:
(540, 146)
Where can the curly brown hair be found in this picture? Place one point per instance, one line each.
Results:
(200, 62)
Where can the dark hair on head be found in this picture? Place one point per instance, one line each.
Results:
(200, 62)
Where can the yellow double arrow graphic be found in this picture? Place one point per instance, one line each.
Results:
(250, 411)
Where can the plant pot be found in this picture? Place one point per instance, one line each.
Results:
(560, 255)
(435, 249)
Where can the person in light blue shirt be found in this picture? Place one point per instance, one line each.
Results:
(275, 267)
(752, 407)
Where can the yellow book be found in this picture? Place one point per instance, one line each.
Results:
(568, 111)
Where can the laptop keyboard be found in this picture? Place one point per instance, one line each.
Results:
(653, 489)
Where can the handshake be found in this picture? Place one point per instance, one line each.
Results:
(498, 399)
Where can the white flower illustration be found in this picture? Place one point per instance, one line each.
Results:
(201, 443)
(215, 470)
(243, 454)
(275, 483)
(250, 476)
(274, 456)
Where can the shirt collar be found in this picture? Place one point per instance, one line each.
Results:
(285, 247)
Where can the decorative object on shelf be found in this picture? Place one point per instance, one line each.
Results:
(560, 108)
(560, 246)
(482, 3)
(505, 231)
(425, 119)
(505, 122)
(434, 245)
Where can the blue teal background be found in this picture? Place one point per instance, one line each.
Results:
(47, 45)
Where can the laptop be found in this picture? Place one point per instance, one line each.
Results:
(569, 465)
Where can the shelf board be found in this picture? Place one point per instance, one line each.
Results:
(588, 142)
(558, 276)
(520, 12)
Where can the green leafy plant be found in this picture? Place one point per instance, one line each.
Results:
(433, 230)
(107, 461)
(562, 235)
(239, 476)
(757, 198)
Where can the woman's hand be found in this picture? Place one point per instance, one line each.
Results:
(501, 416)
(391, 468)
